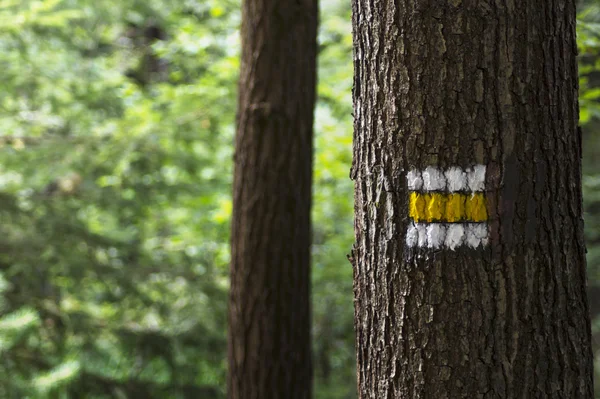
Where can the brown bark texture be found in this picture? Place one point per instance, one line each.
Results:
(269, 308)
(460, 83)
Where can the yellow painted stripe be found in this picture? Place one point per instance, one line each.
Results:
(447, 207)
(476, 208)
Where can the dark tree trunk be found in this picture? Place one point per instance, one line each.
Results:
(469, 258)
(269, 311)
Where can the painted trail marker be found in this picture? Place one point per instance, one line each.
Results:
(448, 208)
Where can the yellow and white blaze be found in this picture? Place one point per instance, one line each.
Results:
(448, 208)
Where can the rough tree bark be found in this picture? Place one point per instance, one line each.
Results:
(269, 311)
(461, 83)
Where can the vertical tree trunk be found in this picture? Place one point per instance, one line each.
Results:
(469, 258)
(269, 312)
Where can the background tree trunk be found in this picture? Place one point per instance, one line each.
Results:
(462, 83)
(269, 313)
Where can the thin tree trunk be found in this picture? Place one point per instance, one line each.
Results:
(269, 312)
(469, 260)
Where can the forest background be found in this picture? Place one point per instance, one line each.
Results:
(117, 120)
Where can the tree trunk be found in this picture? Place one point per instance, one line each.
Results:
(269, 311)
(469, 262)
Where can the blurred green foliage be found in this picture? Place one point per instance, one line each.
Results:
(588, 41)
(116, 129)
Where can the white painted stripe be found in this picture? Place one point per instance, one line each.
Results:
(414, 180)
(448, 235)
(477, 234)
(436, 235)
(412, 236)
(456, 178)
(455, 236)
(433, 179)
(422, 229)
(416, 236)
(476, 178)
(451, 180)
